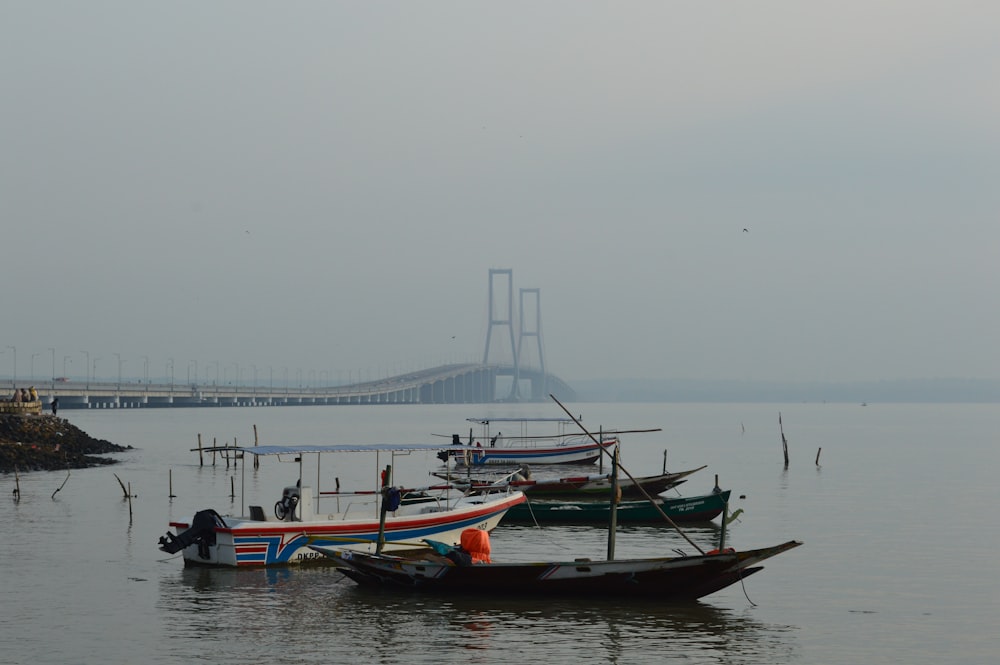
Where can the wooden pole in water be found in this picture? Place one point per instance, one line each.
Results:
(613, 520)
(784, 441)
(17, 486)
(664, 460)
(170, 483)
(639, 487)
(201, 458)
(722, 531)
(130, 502)
(213, 451)
(386, 482)
(817, 455)
(256, 458)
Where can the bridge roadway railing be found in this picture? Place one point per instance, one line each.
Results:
(447, 384)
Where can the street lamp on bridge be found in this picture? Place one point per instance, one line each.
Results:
(120, 361)
(14, 349)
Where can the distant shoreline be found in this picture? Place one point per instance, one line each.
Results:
(930, 391)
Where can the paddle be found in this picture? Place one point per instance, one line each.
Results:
(622, 468)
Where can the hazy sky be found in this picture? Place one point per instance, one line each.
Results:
(322, 187)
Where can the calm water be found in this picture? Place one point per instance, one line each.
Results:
(899, 562)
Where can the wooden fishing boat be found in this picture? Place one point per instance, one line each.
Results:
(662, 578)
(524, 448)
(452, 571)
(592, 486)
(679, 510)
(370, 520)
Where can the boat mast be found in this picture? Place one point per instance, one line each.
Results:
(638, 485)
(386, 482)
(613, 524)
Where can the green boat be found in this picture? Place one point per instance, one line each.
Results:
(682, 509)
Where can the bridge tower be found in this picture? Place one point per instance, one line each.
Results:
(500, 319)
(527, 330)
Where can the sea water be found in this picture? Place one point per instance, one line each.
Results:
(898, 566)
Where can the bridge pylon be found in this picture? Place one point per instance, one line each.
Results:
(527, 330)
(503, 319)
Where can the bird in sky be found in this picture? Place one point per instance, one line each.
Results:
(746, 230)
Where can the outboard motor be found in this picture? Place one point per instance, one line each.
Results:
(285, 507)
(201, 532)
(443, 455)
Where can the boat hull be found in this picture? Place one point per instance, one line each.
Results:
(577, 453)
(243, 542)
(593, 486)
(685, 509)
(675, 578)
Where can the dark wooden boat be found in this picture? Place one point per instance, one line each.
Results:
(682, 509)
(450, 570)
(663, 579)
(593, 486)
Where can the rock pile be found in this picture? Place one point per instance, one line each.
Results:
(48, 443)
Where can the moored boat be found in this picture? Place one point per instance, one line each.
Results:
(524, 448)
(591, 486)
(451, 570)
(373, 521)
(680, 510)
(675, 578)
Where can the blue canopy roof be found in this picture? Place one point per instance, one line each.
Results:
(334, 448)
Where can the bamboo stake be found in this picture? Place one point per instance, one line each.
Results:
(17, 486)
(818, 451)
(634, 481)
(213, 451)
(130, 502)
(170, 483)
(61, 486)
(384, 508)
(201, 457)
(125, 491)
(784, 441)
(256, 458)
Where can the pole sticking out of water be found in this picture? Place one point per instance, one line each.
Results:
(818, 451)
(637, 485)
(784, 441)
(170, 483)
(386, 483)
(256, 458)
(201, 457)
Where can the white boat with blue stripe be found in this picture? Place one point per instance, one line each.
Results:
(376, 520)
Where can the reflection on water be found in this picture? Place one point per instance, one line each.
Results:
(84, 581)
(316, 611)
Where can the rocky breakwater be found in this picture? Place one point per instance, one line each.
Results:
(48, 443)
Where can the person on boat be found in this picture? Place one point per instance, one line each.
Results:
(493, 441)
(17, 396)
(55, 405)
(33, 393)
